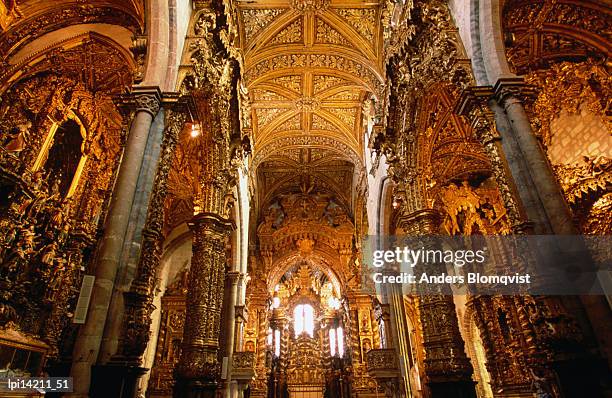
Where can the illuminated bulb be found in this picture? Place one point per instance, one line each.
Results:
(275, 302)
(195, 131)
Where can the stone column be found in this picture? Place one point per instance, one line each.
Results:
(549, 193)
(119, 377)
(198, 369)
(90, 335)
(447, 368)
(401, 335)
(230, 324)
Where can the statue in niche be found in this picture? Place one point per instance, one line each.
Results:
(55, 276)
(64, 156)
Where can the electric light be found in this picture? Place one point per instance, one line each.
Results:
(195, 130)
(275, 302)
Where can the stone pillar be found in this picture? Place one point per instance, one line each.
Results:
(120, 375)
(448, 370)
(90, 334)
(198, 369)
(229, 328)
(133, 239)
(401, 335)
(557, 213)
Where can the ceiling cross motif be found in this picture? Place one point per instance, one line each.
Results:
(309, 65)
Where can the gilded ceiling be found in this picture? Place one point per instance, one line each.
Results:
(309, 65)
(305, 169)
(21, 21)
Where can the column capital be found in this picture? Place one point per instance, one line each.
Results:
(211, 222)
(142, 99)
(508, 89)
(147, 99)
(233, 276)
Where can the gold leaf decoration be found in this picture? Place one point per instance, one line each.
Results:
(256, 20)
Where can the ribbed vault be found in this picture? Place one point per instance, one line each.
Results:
(308, 67)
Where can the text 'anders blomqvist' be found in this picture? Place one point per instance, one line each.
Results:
(458, 258)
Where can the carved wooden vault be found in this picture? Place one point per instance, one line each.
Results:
(309, 66)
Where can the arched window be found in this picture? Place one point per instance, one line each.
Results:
(336, 341)
(303, 318)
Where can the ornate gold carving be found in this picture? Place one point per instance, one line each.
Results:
(318, 123)
(315, 61)
(566, 86)
(327, 34)
(290, 34)
(255, 20)
(543, 33)
(9, 13)
(323, 82)
(204, 299)
(587, 189)
(266, 115)
(293, 123)
(347, 115)
(170, 336)
(307, 104)
(360, 19)
(382, 363)
(305, 6)
(266, 95)
(50, 225)
(54, 17)
(292, 82)
(480, 210)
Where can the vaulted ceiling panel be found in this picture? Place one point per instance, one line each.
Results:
(308, 67)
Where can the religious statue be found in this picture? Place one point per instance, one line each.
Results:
(48, 254)
(19, 138)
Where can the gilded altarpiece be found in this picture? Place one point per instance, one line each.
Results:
(60, 141)
(306, 255)
(168, 349)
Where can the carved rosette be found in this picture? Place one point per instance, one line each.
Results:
(204, 299)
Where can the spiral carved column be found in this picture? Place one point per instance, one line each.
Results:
(198, 369)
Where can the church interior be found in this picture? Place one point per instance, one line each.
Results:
(186, 186)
